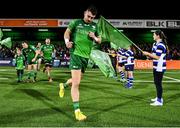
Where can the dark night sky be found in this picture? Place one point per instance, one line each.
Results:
(115, 9)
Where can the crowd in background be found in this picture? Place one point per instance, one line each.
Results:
(173, 52)
(63, 53)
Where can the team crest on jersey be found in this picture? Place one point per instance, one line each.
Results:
(80, 26)
(94, 27)
(86, 24)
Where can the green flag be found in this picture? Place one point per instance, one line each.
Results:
(103, 61)
(111, 34)
(113, 46)
(1, 34)
(6, 42)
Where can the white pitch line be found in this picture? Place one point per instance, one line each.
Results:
(171, 78)
(142, 81)
(144, 72)
(3, 78)
(3, 70)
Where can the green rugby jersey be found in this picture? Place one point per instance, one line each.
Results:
(47, 51)
(39, 55)
(20, 62)
(82, 42)
(29, 52)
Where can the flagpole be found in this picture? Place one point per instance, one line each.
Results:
(137, 47)
(122, 34)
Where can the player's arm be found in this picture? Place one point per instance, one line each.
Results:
(41, 52)
(125, 54)
(15, 60)
(95, 35)
(35, 57)
(24, 61)
(37, 52)
(97, 39)
(54, 49)
(67, 35)
(151, 55)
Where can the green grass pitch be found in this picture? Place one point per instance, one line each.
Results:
(104, 100)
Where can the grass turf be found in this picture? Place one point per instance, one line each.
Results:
(104, 100)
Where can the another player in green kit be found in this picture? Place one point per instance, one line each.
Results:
(30, 54)
(47, 50)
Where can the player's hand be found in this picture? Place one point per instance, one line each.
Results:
(145, 53)
(34, 59)
(69, 44)
(92, 35)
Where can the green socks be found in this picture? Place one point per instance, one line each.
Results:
(76, 105)
(65, 85)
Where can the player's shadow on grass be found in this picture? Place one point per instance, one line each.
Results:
(112, 108)
(118, 94)
(60, 78)
(44, 99)
(18, 118)
(172, 98)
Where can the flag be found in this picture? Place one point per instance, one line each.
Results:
(6, 42)
(111, 34)
(113, 46)
(1, 34)
(102, 60)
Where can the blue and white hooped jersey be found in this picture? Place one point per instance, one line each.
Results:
(121, 52)
(130, 57)
(159, 49)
